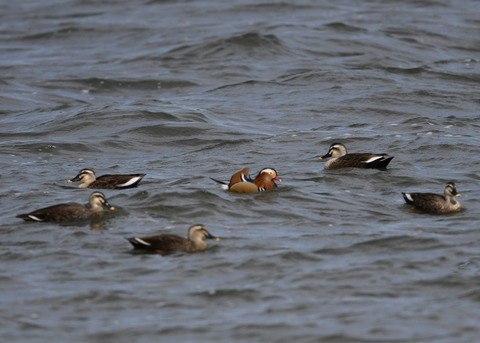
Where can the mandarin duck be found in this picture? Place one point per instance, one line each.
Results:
(240, 182)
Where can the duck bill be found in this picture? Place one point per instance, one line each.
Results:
(457, 195)
(277, 178)
(324, 156)
(212, 237)
(107, 205)
(76, 178)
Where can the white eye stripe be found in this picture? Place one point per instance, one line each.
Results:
(269, 171)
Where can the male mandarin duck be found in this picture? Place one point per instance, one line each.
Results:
(341, 159)
(70, 211)
(240, 182)
(163, 244)
(117, 181)
(435, 203)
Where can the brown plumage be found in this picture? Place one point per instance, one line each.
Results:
(164, 244)
(70, 211)
(240, 182)
(435, 203)
(264, 179)
(240, 176)
(117, 181)
(341, 159)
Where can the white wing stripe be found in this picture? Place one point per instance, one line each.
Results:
(130, 182)
(35, 218)
(141, 241)
(373, 159)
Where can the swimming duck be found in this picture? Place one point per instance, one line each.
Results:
(118, 181)
(341, 159)
(435, 203)
(70, 211)
(242, 183)
(164, 244)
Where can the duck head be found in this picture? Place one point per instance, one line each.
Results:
(97, 200)
(87, 176)
(335, 150)
(451, 190)
(198, 232)
(265, 177)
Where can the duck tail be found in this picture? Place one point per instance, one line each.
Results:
(380, 163)
(223, 184)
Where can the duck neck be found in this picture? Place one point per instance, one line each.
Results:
(87, 180)
(95, 207)
(264, 181)
(450, 199)
(199, 244)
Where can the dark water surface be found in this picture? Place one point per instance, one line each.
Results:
(187, 90)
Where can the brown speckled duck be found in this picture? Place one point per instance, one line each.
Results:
(70, 211)
(164, 244)
(117, 181)
(341, 159)
(240, 182)
(435, 203)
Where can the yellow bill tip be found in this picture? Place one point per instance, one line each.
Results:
(111, 208)
(69, 181)
(458, 195)
(217, 239)
(320, 158)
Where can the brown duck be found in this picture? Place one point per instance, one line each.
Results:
(341, 159)
(240, 182)
(435, 203)
(164, 244)
(70, 211)
(117, 181)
